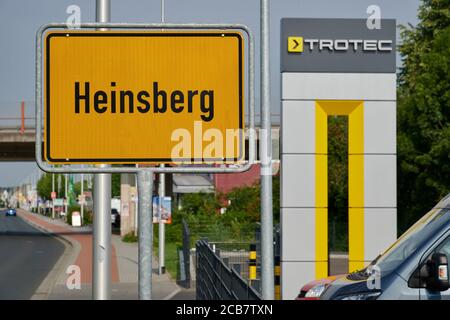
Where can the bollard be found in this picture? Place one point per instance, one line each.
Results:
(277, 278)
(252, 263)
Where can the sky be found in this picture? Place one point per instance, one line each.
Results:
(20, 19)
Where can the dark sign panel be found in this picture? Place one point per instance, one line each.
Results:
(337, 45)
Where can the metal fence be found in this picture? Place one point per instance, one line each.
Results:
(233, 245)
(216, 280)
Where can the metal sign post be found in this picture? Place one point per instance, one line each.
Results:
(101, 242)
(267, 259)
(82, 198)
(66, 182)
(145, 193)
(162, 225)
(53, 190)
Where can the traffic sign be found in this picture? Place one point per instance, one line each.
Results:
(58, 202)
(53, 195)
(143, 97)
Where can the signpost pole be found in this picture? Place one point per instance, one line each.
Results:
(53, 190)
(101, 278)
(66, 182)
(162, 226)
(145, 193)
(82, 198)
(267, 258)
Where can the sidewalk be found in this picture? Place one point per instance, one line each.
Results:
(124, 270)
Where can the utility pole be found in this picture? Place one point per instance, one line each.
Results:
(267, 258)
(162, 225)
(101, 278)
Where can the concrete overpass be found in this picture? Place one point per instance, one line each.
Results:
(17, 144)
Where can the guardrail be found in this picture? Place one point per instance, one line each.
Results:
(217, 281)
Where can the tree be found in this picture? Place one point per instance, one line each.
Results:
(338, 169)
(423, 112)
(115, 185)
(44, 186)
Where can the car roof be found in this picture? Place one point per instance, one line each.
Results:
(444, 203)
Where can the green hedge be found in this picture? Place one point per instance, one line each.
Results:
(87, 215)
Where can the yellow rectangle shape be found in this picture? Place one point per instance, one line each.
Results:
(295, 44)
(143, 96)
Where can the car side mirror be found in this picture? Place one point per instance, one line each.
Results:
(438, 273)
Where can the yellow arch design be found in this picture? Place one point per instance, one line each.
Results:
(354, 110)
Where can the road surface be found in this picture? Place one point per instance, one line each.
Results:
(27, 255)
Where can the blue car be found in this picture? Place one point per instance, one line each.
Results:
(11, 212)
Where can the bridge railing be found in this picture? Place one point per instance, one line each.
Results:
(17, 115)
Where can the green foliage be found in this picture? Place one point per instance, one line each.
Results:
(130, 237)
(202, 204)
(244, 205)
(338, 183)
(44, 185)
(338, 168)
(87, 215)
(276, 199)
(423, 112)
(115, 185)
(70, 210)
(171, 258)
(201, 211)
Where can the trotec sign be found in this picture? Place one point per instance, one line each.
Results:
(337, 45)
(129, 97)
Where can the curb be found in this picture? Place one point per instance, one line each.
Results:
(57, 274)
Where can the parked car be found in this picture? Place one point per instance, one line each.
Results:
(414, 267)
(313, 289)
(115, 218)
(10, 212)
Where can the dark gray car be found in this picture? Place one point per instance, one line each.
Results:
(414, 267)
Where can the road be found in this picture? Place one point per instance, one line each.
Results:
(27, 255)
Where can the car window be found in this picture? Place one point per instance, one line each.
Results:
(445, 248)
(418, 278)
(408, 243)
